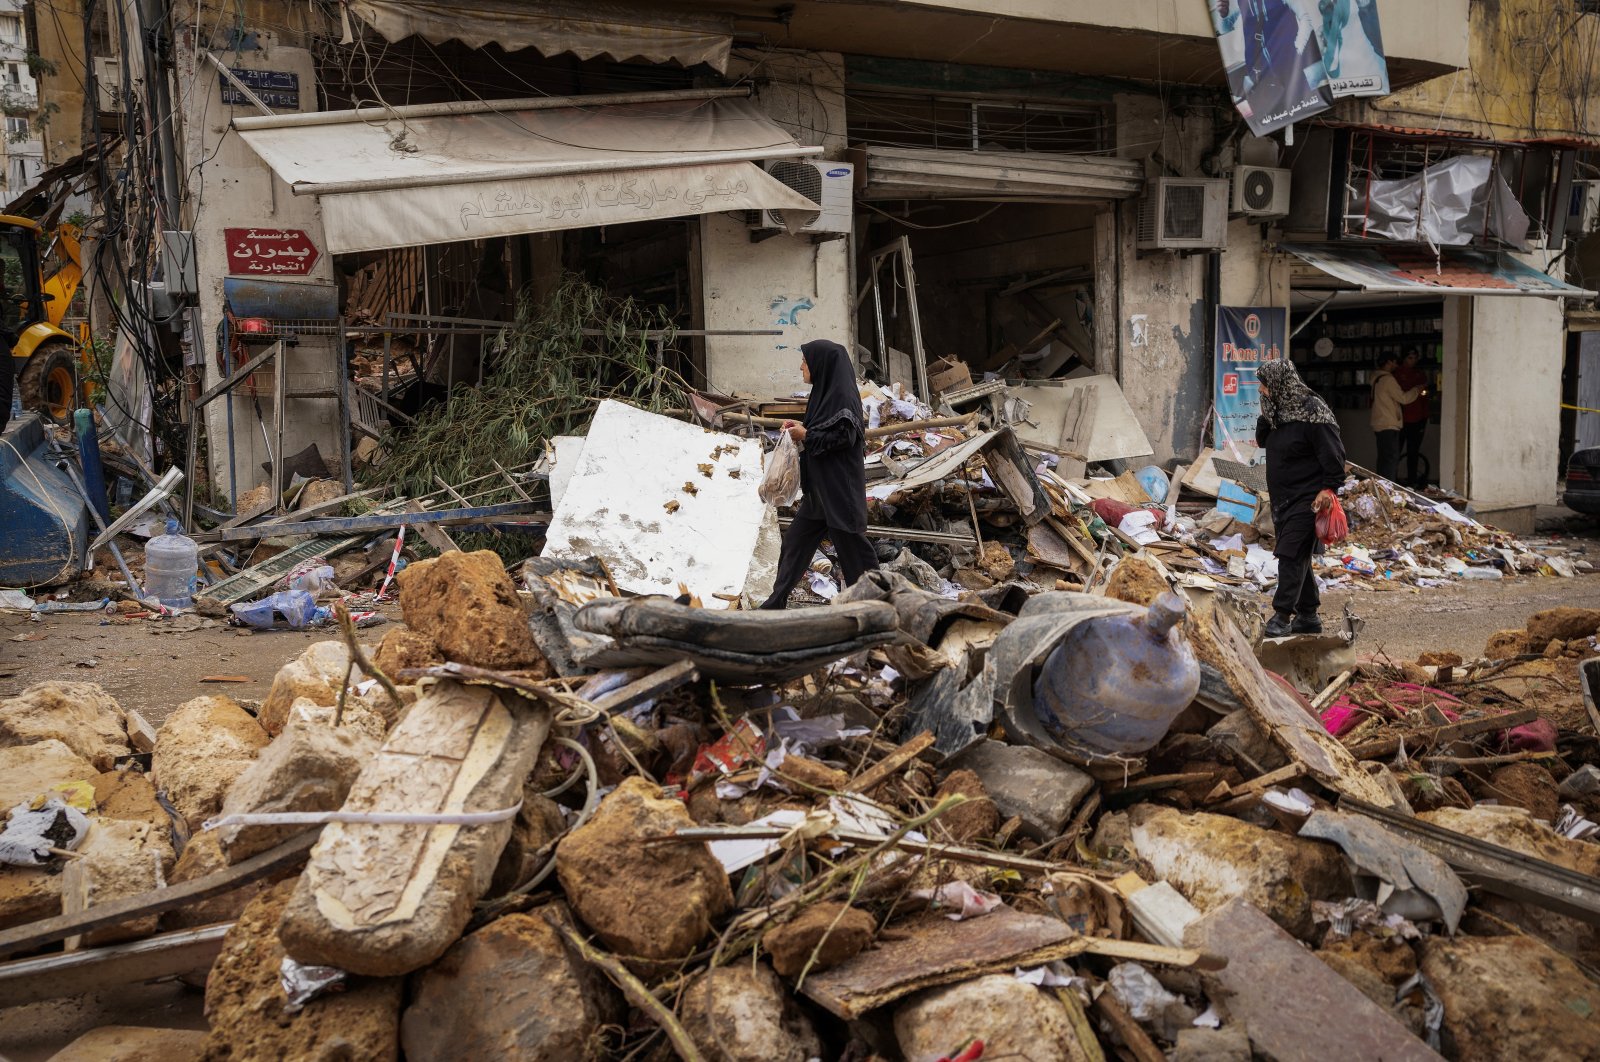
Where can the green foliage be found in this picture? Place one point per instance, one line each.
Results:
(545, 378)
(39, 66)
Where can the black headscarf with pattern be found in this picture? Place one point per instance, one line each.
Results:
(1287, 399)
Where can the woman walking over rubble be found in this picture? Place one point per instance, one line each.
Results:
(1305, 465)
(832, 441)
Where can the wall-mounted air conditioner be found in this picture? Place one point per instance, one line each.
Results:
(1259, 192)
(1183, 214)
(831, 185)
(107, 84)
(1583, 209)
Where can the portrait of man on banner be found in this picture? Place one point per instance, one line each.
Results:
(1272, 51)
(1352, 48)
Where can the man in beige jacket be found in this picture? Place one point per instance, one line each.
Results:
(1387, 418)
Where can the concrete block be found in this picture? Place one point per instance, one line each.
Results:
(1027, 782)
(1295, 1007)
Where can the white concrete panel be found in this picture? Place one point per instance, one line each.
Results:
(640, 500)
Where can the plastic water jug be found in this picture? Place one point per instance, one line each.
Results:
(1116, 683)
(170, 563)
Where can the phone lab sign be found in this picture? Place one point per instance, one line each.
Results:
(270, 252)
(1246, 337)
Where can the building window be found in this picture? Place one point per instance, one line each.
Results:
(10, 29)
(1589, 7)
(13, 76)
(16, 129)
(952, 123)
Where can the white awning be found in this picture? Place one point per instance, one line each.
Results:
(929, 173)
(1410, 270)
(407, 176)
(588, 30)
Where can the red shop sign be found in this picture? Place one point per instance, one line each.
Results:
(270, 252)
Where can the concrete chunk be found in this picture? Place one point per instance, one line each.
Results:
(80, 715)
(1294, 1006)
(1212, 859)
(1013, 1019)
(741, 1013)
(468, 605)
(315, 674)
(117, 859)
(385, 899)
(201, 749)
(1512, 998)
(308, 767)
(512, 990)
(1027, 782)
(648, 902)
(245, 1003)
(132, 1043)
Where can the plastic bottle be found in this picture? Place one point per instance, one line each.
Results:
(170, 563)
(1115, 683)
(1484, 573)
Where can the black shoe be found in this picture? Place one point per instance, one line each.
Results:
(1278, 627)
(1307, 625)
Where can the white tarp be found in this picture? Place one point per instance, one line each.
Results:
(444, 177)
(588, 30)
(641, 500)
(1446, 205)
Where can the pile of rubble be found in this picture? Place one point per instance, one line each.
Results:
(464, 843)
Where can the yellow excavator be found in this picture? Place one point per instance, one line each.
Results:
(46, 358)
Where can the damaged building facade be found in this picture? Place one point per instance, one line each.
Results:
(1034, 189)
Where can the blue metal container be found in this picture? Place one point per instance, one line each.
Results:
(44, 523)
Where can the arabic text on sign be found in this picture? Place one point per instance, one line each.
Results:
(641, 194)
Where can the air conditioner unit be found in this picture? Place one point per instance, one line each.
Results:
(1583, 209)
(1259, 192)
(1183, 214)
(108, 84)
(831, 185)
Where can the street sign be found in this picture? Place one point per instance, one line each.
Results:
(270, 252)
(275, 88)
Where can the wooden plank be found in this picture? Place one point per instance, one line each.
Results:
(891, 764)
(1131, 1033)
(50, 930)
(79, 973)
(1440, 735)
(648, 687)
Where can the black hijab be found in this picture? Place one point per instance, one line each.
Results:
(834, 394)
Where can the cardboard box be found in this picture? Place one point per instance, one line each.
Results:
(948, 374)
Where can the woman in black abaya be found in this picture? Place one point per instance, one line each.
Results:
(832, 441)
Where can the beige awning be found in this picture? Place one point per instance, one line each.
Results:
(929, 173)
(588, 30)
(436, 174)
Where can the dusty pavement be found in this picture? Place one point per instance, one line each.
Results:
(151, 666)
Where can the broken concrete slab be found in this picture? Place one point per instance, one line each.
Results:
(134, 1043)
(741, 1013)
(201, 857)
(823, 935)
(1512, 997)
(1228, 1044)
(1027, 782)
(201, 750)
(511, 990)
(316, 674)
(974, 820)
(80, 715)
(1378, 968)
(28, 894)
(639, 501)
(1562, 624)
(306, 768)
(117, 860)
(653, 902)
(387, 899)
(26, 771)
(245, 1001)
(1293, 1005)
(1012, 1018)
(129, 794)
(468, 605)
(1213, 859)
(359, 715)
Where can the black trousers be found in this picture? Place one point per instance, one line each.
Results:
(1389, 454)
(1411, 436)
(1297, 593)
(800, 543)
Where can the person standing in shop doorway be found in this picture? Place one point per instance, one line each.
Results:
(1387, 419)
(1414, 415)
(1305, 466)
(832, 441)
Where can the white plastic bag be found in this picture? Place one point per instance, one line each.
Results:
(780, 483)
